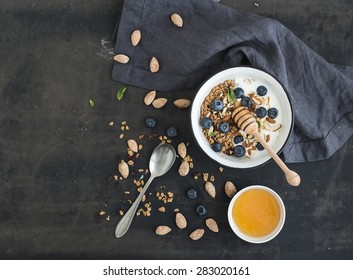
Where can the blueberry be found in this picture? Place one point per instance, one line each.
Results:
(172, 131)
(223, 127)
(272, 113)
(201, 210)
(238, 139)
(259, 147)
(261, 90)
(192, 193)
(261, 112)
(206, 122)
(217, 147)
(239, 92)
(217, 105)
(239, 151)
(246, 101)
(150, 122)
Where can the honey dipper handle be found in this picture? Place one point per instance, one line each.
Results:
(292, 177)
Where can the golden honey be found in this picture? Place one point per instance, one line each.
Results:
(256, 212)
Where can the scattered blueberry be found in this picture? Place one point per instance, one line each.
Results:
(239, 151)
(223, 127)
(201, 210)
(239, 92)
(261, 112)
(192, 193)
(246, 101)
(217, 147)
(172, 131)
(150, 122)
(259, 147)
(217, 105)
(238, 139)
(206, 122)
(261, 90)
(272, 113)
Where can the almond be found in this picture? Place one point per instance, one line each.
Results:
(154, 65)
(135, 37)
(123, 169)
(163, 230)
(159, 102)
(150, 97)
(197, 234)
(132, 144)
(177, 20)
(230, 189)
(184, 168)
(210, 189)
(182, 150)
(182, 103)
(212, 225)
(180, 221)
(121, 58)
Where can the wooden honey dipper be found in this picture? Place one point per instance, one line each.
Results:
(244, 120)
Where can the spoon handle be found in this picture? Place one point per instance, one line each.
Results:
(126, 220)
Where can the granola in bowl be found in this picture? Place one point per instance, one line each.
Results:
(214, 129)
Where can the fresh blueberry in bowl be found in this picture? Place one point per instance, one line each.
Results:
(239, 92)
(261, 90)
(261, 112)
(217, 105)
(217, 147)
(206, 122)
(259, 147)
(272, 113)
(201, 210)
(238, 139)
(150, 122)
(223, 127)
(172, 131)
(192, 193)
(239, 151)
(246, 101)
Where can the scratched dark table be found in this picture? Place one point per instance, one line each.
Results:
(58, 154)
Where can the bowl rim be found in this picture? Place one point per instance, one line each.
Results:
(290, 129)
(263, 239)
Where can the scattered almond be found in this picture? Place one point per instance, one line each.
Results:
(210, 189)
(154, 65)
(197, 234)
(123, 168)
(184, 168)
(159, 102)
(230, 189)
(182, 103)
(135, 37)
(180, 221)
(121, 58)
(132, 144)
(212, 225)
(177, 20)
(182, 150)
(150, 97)
(163, 230)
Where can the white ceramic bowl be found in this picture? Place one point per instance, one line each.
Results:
(279, 97)
(264, 238)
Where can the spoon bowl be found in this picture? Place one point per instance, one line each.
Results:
(162, 159)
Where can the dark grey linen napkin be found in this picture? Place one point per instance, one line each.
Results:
(215, 37)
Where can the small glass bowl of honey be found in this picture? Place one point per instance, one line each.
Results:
(256, 214)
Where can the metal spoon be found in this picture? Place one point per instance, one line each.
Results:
(162, 159)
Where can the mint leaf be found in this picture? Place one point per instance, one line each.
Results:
(120, 93)
(91, 102)
(231, 96)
